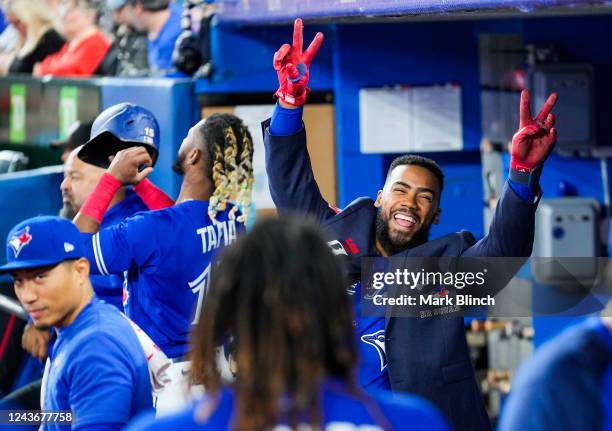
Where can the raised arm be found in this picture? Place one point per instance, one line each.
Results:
(292, 184)
(513, 226)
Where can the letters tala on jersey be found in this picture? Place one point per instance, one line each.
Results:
(219, 234)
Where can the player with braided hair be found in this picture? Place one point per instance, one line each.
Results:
(245, 174)
(232, 164)
(168, 254)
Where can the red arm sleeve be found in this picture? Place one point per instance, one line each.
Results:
(153, 197)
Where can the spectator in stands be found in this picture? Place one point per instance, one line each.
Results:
(38, 35)
(86, 46)
(9, 40)
(162, 22)
(128, 54)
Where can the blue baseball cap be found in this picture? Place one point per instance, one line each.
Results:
(42, 241)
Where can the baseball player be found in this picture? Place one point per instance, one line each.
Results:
(278, 291)
(168, 254)
(429, 357)
(96, 369)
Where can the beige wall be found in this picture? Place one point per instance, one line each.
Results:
(319, 120)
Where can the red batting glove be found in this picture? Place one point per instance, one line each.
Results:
(293, 66)
(535, 139)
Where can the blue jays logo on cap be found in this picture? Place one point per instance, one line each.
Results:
(19, 240)
(42, 241)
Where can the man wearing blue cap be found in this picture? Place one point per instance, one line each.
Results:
(97, 368)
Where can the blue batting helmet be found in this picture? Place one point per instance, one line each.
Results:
(119, 127)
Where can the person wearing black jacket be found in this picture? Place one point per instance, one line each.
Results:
(128, 55)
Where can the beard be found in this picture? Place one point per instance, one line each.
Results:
(43, 327)
(177, 167)
(395, 245)
(68, 212)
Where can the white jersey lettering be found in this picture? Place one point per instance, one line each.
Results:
(200, 286)
(217, 235)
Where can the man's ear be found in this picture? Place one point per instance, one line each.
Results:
(378, 202)
(81, 266)
(194, 155)
(436, 218)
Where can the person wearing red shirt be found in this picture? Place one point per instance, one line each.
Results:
(86, 45)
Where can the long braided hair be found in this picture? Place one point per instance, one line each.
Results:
(230, 150)
(279, 293)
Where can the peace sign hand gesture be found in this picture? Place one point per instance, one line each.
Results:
(293, 67)
(536, 137)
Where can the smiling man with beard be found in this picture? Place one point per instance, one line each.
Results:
(400, 225)
(429, 356)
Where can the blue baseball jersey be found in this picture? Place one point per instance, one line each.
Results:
(370, 331)
(342, 411)
(109, 288)
(98, 370)
(167, 256)
(566, 385)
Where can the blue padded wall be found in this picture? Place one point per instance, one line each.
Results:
(28, 194)
(418, 54)
(242, 59)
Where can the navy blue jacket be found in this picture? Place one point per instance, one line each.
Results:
(428, 357)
